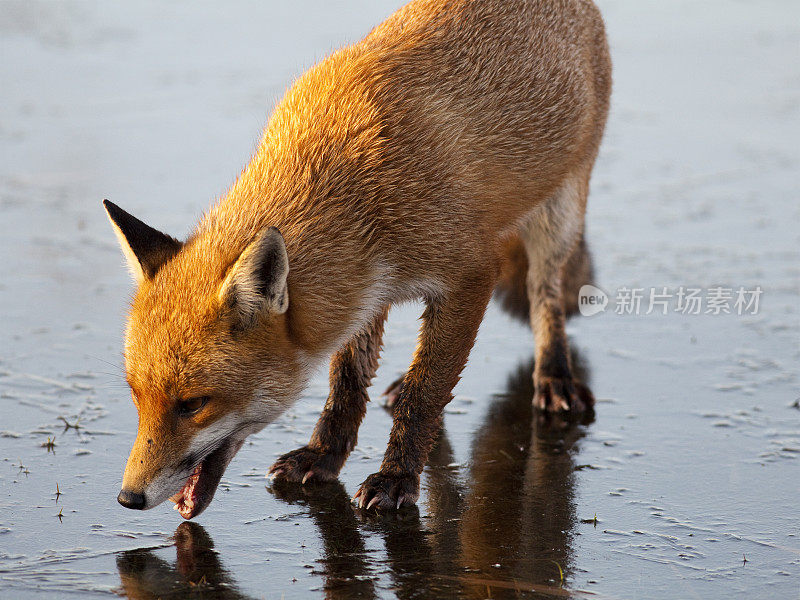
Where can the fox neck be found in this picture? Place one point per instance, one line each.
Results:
(326, 310)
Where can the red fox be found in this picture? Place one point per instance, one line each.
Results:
(446, 154)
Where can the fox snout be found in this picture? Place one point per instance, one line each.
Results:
(146, 483)
(185, 470)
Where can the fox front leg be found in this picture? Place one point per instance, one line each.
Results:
(448, 332)
(335, 435)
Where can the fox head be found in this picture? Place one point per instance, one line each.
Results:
(208, 357)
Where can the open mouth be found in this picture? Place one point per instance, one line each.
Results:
(198, 491)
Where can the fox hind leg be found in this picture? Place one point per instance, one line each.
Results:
(511, 290)
(576, 272)
(550, 237)
(335, 435)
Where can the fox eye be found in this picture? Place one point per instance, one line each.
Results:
(192, 405)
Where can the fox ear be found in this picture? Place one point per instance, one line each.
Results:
(257, 281)
(145, 248)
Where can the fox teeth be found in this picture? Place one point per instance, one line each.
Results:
(176, 507)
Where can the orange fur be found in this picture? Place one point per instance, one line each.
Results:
(395, 169)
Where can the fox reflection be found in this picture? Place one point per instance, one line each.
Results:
(519, 512)
(515, 508)
(197, 572)
(345, 566)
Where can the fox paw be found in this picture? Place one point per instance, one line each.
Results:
(306, 464)
(555, 394)
(387, 491)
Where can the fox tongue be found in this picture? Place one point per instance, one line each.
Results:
(186, 499)
(198, 491)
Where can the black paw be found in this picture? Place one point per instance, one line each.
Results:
(387, 492)
(557, 394)
(306, 464)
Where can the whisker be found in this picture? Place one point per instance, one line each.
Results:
(117, 375)
(109, 363)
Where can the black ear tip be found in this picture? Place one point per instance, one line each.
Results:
(119, 216)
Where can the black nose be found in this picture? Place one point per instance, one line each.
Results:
(130, 499)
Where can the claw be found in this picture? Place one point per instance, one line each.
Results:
(400, 501)
(557, 395)
(373, 502)
(273, 474)
(307, 476)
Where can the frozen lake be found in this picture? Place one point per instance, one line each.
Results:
(687, 482)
